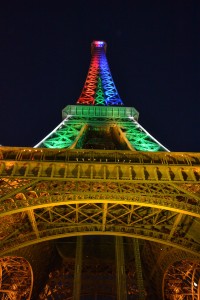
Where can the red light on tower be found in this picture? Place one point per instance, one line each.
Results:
(98, 44)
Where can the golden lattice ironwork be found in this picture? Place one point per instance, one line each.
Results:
(16, 278)
(51, 194)
(182, 281)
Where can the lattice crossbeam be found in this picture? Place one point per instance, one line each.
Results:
(65, 135)
(71, 130)
(63, 218)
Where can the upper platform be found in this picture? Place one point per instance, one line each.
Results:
(99, 87)
(100, 112)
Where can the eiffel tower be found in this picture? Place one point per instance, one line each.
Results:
(99, 209)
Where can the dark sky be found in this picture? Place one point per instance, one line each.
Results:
(153, 53)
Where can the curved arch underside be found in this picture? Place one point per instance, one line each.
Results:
(50, 194)
(47, 210)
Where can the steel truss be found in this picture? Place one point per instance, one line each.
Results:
(154, 197)
(70, 133)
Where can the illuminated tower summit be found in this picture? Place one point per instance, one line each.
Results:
(99, 209)
(112, 126)
(99, 88)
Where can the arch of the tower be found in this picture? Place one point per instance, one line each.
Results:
(174, 275)
(57, 194)
(42, 212)
(38, 210)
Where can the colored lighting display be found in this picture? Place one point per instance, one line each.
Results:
(99, 43)
(99, 87)
(99, 90)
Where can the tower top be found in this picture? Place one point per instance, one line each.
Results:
(99, 87)
(98, 44)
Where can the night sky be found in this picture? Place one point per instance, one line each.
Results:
(153, 53)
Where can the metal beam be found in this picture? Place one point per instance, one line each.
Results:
(119, 171)
(138, 267)
(70, 155)
(162, 196)
(174, 226)
(105, 211)
(78, 268)
(12, 187)
(33, 222)
(120, 269)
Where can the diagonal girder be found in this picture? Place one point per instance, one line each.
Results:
(33, 222)
(12, 186)
(175, 225)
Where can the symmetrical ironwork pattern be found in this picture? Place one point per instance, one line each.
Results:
(75, 192)
(72, 131)
(99, 88)
(16, 278)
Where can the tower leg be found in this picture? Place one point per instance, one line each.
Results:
(138, 266)
(120, 269)
(78, 269)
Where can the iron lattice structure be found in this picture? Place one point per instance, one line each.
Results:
(99, 173)
(182, 278)
(81, 121)
(99, 87)
(16, 278)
